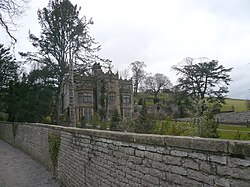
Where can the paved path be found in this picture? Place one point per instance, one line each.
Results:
(19, 170)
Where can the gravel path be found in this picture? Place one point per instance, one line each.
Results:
(19, 170)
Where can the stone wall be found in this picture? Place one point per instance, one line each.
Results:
(104, 158)
(234, 117)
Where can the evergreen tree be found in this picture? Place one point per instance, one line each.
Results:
(115, 121)
(145, 122)
(64, 36)
(203, 80)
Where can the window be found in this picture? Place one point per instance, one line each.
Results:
(80, 98)
(80, 113)
(87, 98)
(126, 99)
(87, 113)
(111, 96)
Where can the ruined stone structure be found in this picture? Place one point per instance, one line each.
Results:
(104, 158)
(100, 93)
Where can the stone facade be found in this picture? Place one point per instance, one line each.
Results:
(100, 93)
(104, 158)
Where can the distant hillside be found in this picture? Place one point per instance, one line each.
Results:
(239, 105)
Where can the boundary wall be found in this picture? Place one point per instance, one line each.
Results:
(107, 158)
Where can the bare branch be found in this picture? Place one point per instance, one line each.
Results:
(10, 11)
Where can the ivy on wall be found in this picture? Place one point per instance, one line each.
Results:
(54, 140)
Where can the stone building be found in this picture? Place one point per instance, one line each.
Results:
(98, 93)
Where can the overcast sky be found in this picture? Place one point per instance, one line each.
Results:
(163, 32)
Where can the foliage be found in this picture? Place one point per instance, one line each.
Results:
(83, 123)
(104, 125)
(156, 83)
(203, 79)
(115, 120)
(54, 140)
(28, 103)
(64, 36)
(95, 121)
(169, 127)
(138, 73)
(3, 116)
(181, 99)
(9, 71)
(204, 125)
(128, 125)
(145, 122)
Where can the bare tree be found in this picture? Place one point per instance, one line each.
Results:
(10, 11)
(156, 83)
(138, 74)
(124, 73)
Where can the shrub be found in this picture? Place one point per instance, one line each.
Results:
(170, 127)
(115, 121)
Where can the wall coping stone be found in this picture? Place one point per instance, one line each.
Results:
(228, 147)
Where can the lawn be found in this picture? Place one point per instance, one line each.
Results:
(238, 105)
(234, 127)
(233, 135)
(234, 132)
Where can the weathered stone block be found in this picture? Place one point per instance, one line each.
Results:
(188, 163)
(239, 183)
(218, 159)
(207, 167)
(149, 155)
(234, 172)
(239, 149)
(235, 162)
(152, 180)
(178, 153)
(172, 160)
(219, 181)
(178, 170)
(139, 153)
(199, 156)
(129, 150)
(201, 177)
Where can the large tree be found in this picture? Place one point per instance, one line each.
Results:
(64, 36)
(8, 74)
(203, 79)
(10, 11)
(27, 102)
(156, 83)
(137, 68)
(8, 66)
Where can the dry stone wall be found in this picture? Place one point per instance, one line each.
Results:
(104, 158)
(234, 117)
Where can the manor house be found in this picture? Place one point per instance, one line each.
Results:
(99, 93)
